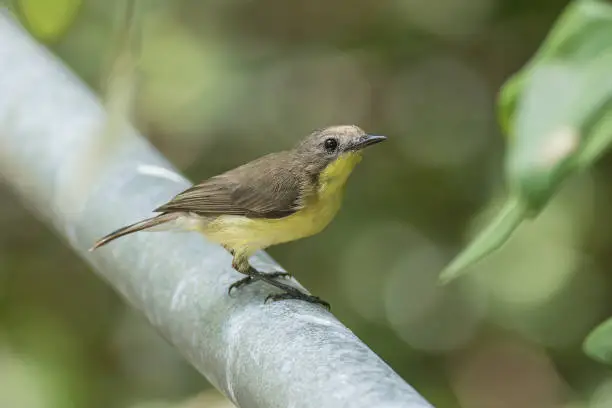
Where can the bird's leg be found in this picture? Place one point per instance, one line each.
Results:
(290, 292)
(258, 276)
(241, 264)
(255, 275)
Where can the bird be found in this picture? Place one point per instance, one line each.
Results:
(280, 197)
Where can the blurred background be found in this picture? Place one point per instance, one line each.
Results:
(225, 81)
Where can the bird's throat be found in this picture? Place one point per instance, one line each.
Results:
(335, 175)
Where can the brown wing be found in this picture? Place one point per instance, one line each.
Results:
(253, 190)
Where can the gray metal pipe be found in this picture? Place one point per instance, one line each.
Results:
(275, 355)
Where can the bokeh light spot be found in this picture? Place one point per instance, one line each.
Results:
(424, 314)
(506, 375)
(367, 262)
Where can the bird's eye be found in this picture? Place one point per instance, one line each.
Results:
(331, 144)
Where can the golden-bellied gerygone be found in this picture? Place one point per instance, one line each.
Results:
(277, 198)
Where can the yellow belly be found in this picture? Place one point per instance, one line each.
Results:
(249, 235)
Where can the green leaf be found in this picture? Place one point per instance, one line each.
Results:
(488, 240)
(48, 20)
(557, 114)
(598, 344)
(507, 100)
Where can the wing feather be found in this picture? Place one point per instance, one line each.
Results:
(251, 190)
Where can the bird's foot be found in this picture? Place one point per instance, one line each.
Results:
(256, 276)
(298, 296)
(289, 292)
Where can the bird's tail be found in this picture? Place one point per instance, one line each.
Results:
(139, 226)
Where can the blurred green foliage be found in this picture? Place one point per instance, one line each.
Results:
(48, 20)
(557, 111)
(221, 82)
(599, 342)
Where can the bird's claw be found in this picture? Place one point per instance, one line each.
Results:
(239, 283)
(298, 296)
(290, 292)
(252, 278)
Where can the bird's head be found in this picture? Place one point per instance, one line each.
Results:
(333, 152)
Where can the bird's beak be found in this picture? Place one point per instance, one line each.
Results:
(367, 140)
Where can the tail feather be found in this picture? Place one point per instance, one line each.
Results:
(139, 226)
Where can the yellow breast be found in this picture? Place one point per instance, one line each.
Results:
(250, 235)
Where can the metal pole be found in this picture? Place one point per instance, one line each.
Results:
(275, 355)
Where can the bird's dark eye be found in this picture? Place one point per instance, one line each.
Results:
(331, 144)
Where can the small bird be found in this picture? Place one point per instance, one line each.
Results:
(280, 197)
